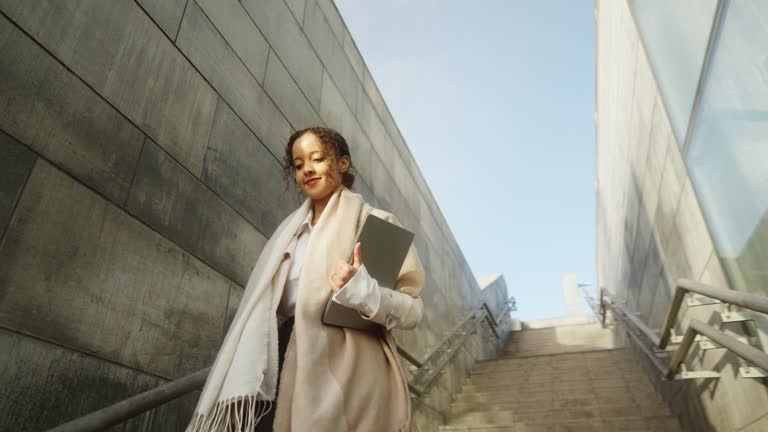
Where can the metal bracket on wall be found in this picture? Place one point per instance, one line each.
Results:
(695, 300)
(729, 317)
(685, 374)
(752, 372)
(660, 345)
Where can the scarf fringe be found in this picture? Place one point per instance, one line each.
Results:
(238, 414)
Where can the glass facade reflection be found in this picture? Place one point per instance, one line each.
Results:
(675, 35)
(728, 151)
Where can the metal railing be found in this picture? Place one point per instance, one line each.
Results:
(659, 343)
(746, 300)
(438, 355)
(135, 405)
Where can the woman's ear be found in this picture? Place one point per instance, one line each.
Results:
(344, 163)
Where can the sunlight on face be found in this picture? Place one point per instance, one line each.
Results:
(316, 172)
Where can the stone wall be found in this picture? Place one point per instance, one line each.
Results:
(650, 228)
(140, 177)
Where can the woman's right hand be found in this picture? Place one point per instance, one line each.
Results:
(342, 271)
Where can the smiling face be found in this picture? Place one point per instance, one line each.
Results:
(317, 171)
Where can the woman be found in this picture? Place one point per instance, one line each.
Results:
(332, 379)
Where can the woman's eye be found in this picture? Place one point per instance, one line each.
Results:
(297, 167)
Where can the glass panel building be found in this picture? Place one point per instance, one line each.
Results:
(675, 34)
(710, 59)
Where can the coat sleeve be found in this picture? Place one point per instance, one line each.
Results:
(362, 292)
(401, 307)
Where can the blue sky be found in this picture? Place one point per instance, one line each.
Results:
(496, 101)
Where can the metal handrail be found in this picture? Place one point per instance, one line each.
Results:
(135, 405)
(494, 323)
(446, 361)
(617, 308)
(408, 356)
(746, 300)
(435, 349)
(695, 327)
(660, 366)
(430, 375)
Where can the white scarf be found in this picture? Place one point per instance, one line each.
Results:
(243, 380)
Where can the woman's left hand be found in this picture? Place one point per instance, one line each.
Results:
(342, 271)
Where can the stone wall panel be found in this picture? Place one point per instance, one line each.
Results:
(209, 51)
(355, 59)
(240, 169)
(331, 13)
(331, 53)
(336, 114)
(119, 51)
(282, 31)
(166, 13)
(81, 272)
(182, 208)
(696, 242)
(40, 378)
(236, 27)
(297, 8)
(49, 109)
(288, 96)
(16, 162)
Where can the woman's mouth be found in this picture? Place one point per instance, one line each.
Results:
(312, 181)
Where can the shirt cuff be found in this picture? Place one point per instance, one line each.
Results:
(361, 293)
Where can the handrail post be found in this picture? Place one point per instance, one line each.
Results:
(674, 309)
(747, 300)
(681, 353)
(601, 309)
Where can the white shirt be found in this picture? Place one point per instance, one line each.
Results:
(361, 292)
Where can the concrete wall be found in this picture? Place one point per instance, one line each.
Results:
(650, 228)
(140, 148)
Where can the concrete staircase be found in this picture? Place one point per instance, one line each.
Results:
(545, 381)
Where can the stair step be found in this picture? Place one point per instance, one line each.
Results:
(563, 386)
(551, 376)
(577, 391)
(628, 424)
(559, 389)
(558, 414)
(556, 359)
(608, 409)
(567, 399)
(555, 368)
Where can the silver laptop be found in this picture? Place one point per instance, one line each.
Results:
(383, 247)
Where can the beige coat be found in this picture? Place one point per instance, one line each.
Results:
(333, 379)
(337, 379)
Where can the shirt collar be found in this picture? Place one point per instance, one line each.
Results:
(306, 224)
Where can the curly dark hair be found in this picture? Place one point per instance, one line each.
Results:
(333, 143)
